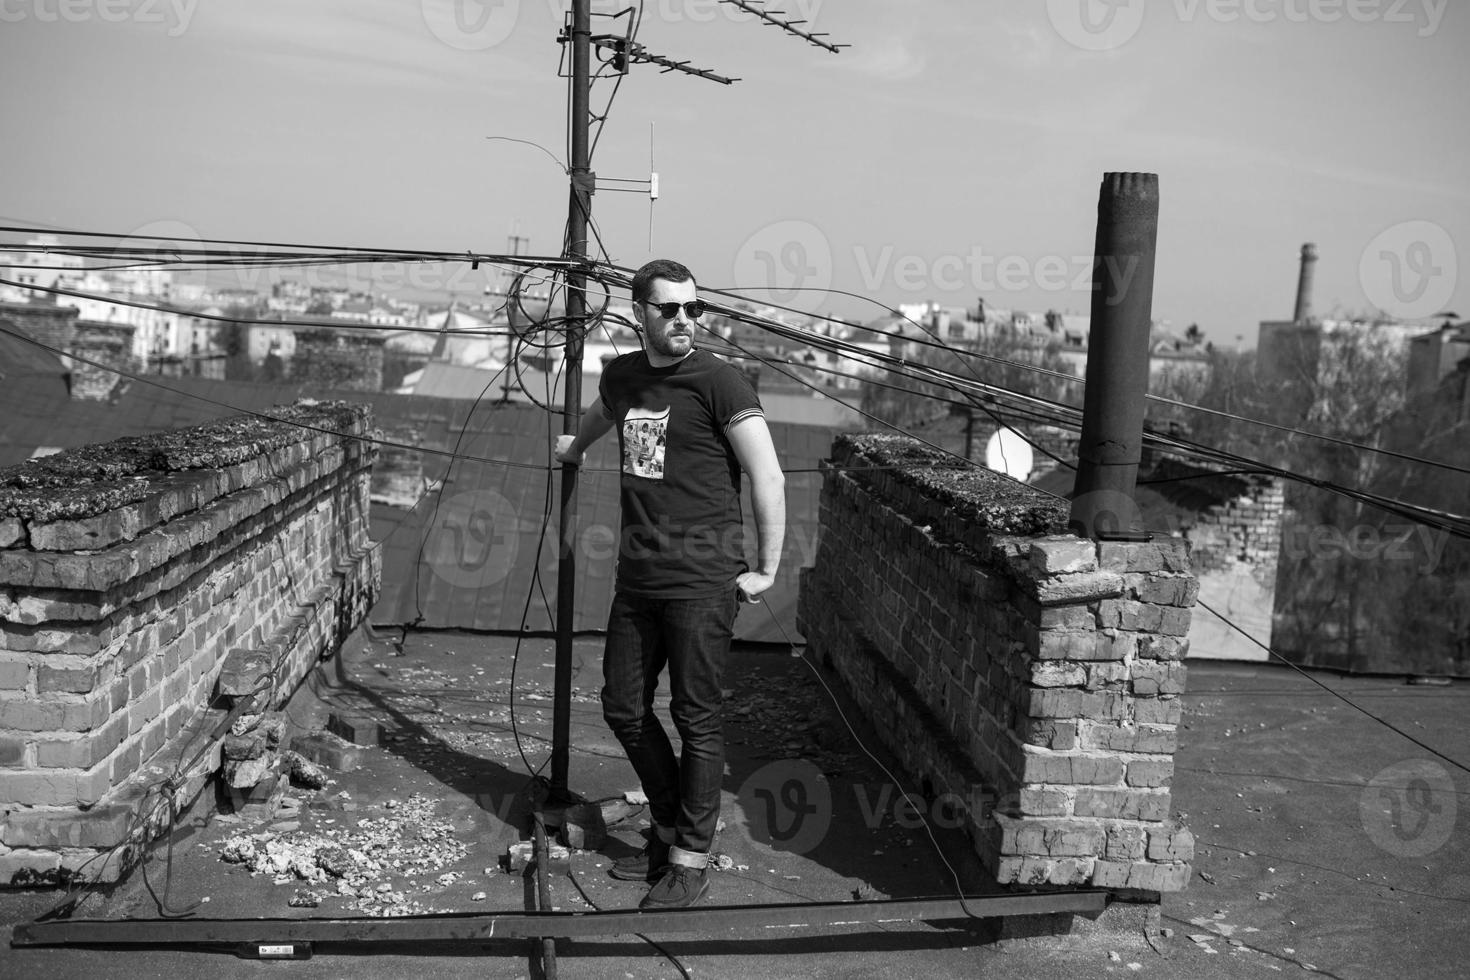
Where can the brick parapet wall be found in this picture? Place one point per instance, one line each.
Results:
(1029, 677)
(129, 573)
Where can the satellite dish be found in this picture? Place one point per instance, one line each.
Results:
(1007, 452)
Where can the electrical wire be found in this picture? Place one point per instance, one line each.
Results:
(1337, 694)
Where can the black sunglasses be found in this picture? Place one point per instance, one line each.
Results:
(694, 309)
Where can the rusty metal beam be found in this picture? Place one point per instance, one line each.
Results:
(467, 927)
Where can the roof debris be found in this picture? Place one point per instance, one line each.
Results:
(369, 863)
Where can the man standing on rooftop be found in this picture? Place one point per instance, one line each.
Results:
(688, 425)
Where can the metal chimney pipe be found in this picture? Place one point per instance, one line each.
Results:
(1111, 445)
(1304, 284)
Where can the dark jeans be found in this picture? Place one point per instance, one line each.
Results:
(691, 636)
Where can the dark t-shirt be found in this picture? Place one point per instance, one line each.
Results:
(682, 536)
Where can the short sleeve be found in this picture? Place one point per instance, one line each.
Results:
(732, 399)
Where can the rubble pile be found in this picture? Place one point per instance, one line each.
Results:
(252, 761)
(370, 862)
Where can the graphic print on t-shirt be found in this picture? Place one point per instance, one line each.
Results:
(645, 436)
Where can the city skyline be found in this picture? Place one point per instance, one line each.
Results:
(954, 151)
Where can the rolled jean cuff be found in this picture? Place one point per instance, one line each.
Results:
(689, 859)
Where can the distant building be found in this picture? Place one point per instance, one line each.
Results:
(1435, 356)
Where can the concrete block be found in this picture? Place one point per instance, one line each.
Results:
(328, 749)
(358, 729)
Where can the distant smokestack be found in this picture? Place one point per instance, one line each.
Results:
(1304, 284)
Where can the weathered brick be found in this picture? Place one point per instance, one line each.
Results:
(1039, 766)
(1078, 587)
(1106, 675)
(1140, 876)
(1066, 645)
(243, 672)
(1125, 842)
(1062, 554)
(1057, 703)
(1167, 590)
(58, 787)
(73, 680)
(1151, 677)
(1158, 711)
(15, 674)
(1043, 803)
(12, 532)
(1150, 772)
(1113, 645)
(52, 716)
(1174, 621)
(1123, 804)
(1060, 736)
(1129, 738)
(12, 750)
(1129, 556)
(1057, 674)
(1170, 843)
(1015, 870)
(101, 826)
(1162, 647)
(1078, 617)
(30, 868)
(84, 751)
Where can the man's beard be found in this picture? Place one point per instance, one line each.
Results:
(671, 346)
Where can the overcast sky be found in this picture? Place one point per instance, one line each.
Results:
(954, 150)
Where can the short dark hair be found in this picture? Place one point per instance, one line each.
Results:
(666, 269)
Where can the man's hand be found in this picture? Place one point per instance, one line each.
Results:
(751, 584)
(565, 452)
